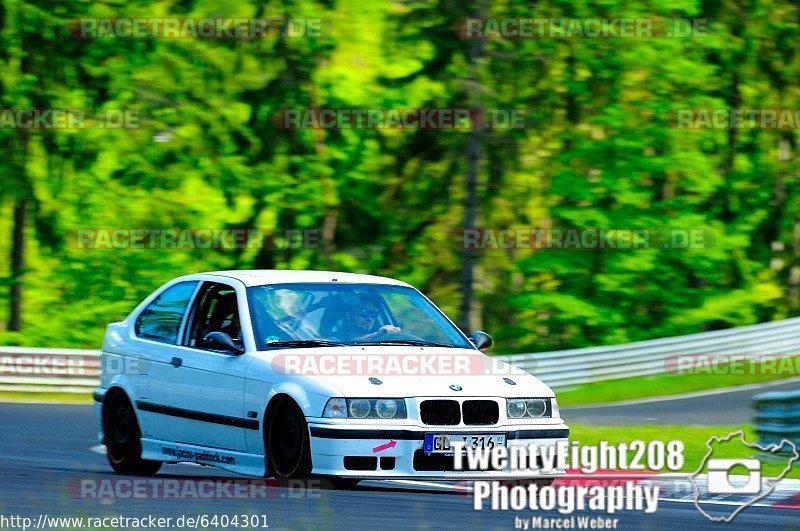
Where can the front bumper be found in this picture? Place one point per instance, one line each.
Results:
(332, 443)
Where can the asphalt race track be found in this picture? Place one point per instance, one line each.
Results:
(715, 408)
(44, 449)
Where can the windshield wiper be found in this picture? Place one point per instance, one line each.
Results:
(415, 342)
(299, 343)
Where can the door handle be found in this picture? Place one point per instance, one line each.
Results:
(177, 362)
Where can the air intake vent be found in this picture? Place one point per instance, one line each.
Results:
(480, 412)
(354, 462)
(440, 412)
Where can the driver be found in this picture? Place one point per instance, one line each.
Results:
(364, 321)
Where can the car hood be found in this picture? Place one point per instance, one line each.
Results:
(400, 371)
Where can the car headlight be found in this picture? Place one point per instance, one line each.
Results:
(358, 408)
(336, 408)
(386, 409)
(518, 408)
(365, 408)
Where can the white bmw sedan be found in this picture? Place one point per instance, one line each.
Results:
(294, 373)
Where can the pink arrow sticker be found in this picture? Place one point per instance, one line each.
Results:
(382, 447)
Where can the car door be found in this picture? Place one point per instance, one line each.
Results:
(200, 389)
(155, 338)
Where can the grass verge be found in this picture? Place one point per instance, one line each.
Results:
(66, 398)
(701, 379)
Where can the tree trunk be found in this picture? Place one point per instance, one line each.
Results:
(465, 314)
(17, 266)
(470, 216)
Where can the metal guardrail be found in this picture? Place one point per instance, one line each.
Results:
(778, 417)
(47, 370)
(22, 369)
(566, 368)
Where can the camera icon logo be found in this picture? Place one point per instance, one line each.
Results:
(742, 482)
(720, 478)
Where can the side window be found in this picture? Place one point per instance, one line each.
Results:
(216, 311)
(161, 319)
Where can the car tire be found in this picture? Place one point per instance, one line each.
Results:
(123, 438)
(287, 442)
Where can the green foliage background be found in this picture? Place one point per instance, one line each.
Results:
(599, 150)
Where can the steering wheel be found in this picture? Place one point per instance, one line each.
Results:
(290, 322)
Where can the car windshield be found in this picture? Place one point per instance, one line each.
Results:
(330, 314)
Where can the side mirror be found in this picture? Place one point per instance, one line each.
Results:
(481, 340)
(221, 341)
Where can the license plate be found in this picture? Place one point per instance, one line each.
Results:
(438, 443)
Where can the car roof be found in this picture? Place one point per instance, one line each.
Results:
(260, 277)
